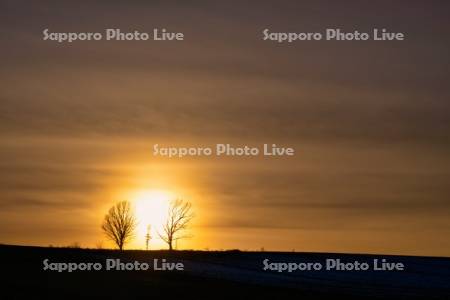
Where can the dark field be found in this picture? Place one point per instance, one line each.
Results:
(217, 275)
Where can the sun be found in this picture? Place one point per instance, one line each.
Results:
(151, 207)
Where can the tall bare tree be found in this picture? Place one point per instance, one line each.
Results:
(178, 218)
(120, 223)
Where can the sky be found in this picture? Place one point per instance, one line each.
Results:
(369, 121)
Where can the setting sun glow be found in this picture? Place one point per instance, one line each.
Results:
(151, 212)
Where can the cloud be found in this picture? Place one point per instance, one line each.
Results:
(221, 85)
(369, 121)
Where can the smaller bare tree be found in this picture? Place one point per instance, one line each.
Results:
(178, 218)
(120, 223)
(148, 237)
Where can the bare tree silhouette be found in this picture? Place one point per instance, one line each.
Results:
(120, 223)
(178, 218)
(148, 237)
